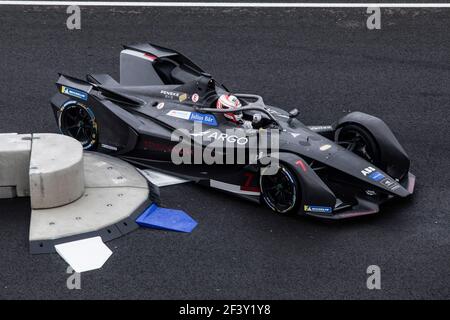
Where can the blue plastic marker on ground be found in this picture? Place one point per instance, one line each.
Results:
(167, 219)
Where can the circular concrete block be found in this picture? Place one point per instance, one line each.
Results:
(115, 193)
(56, 170)
(14, 162)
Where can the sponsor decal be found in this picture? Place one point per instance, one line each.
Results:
(106, 146)
(180, 114)
(220, 136)
(325, 147)
(74, 93)
(208, 119)
(182, 97)
(320, 128)
(367, 171)
(318, 209)
(172, 94)
(295, 135)
(387, 182)
(376, 176)
(160, 105)
(195, 97)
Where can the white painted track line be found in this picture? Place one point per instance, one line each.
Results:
(225, 4)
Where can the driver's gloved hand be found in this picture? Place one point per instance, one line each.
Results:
(247, 125)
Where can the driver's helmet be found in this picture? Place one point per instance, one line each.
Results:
(228, 101)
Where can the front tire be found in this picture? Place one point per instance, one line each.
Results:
(358, 140)
(280, 191)
(383, 150)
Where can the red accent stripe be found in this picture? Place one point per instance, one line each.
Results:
(150, 56)
(301, 164)
(356, 214)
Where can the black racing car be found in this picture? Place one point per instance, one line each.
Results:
(332, 171)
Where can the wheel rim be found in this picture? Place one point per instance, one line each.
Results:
(279, 190)
(79, 123)
(354, 141)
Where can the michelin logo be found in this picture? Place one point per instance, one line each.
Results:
(74, 93)
(318, 209)
(208, 119)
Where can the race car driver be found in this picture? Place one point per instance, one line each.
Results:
(230, 102)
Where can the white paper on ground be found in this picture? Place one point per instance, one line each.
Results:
(84, 255)
(161, 179)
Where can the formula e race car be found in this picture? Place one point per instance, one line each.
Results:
(164, 112)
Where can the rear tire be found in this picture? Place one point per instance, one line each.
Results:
(78, 121)
(281, 191)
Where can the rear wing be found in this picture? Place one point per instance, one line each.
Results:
(157, 52)
(147, 64)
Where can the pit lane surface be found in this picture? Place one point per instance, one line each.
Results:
(322, 61)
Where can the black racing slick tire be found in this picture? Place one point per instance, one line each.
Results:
(360, 141)
(78, 121)
(280, 191)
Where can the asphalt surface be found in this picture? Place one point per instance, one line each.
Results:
(324, 62)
